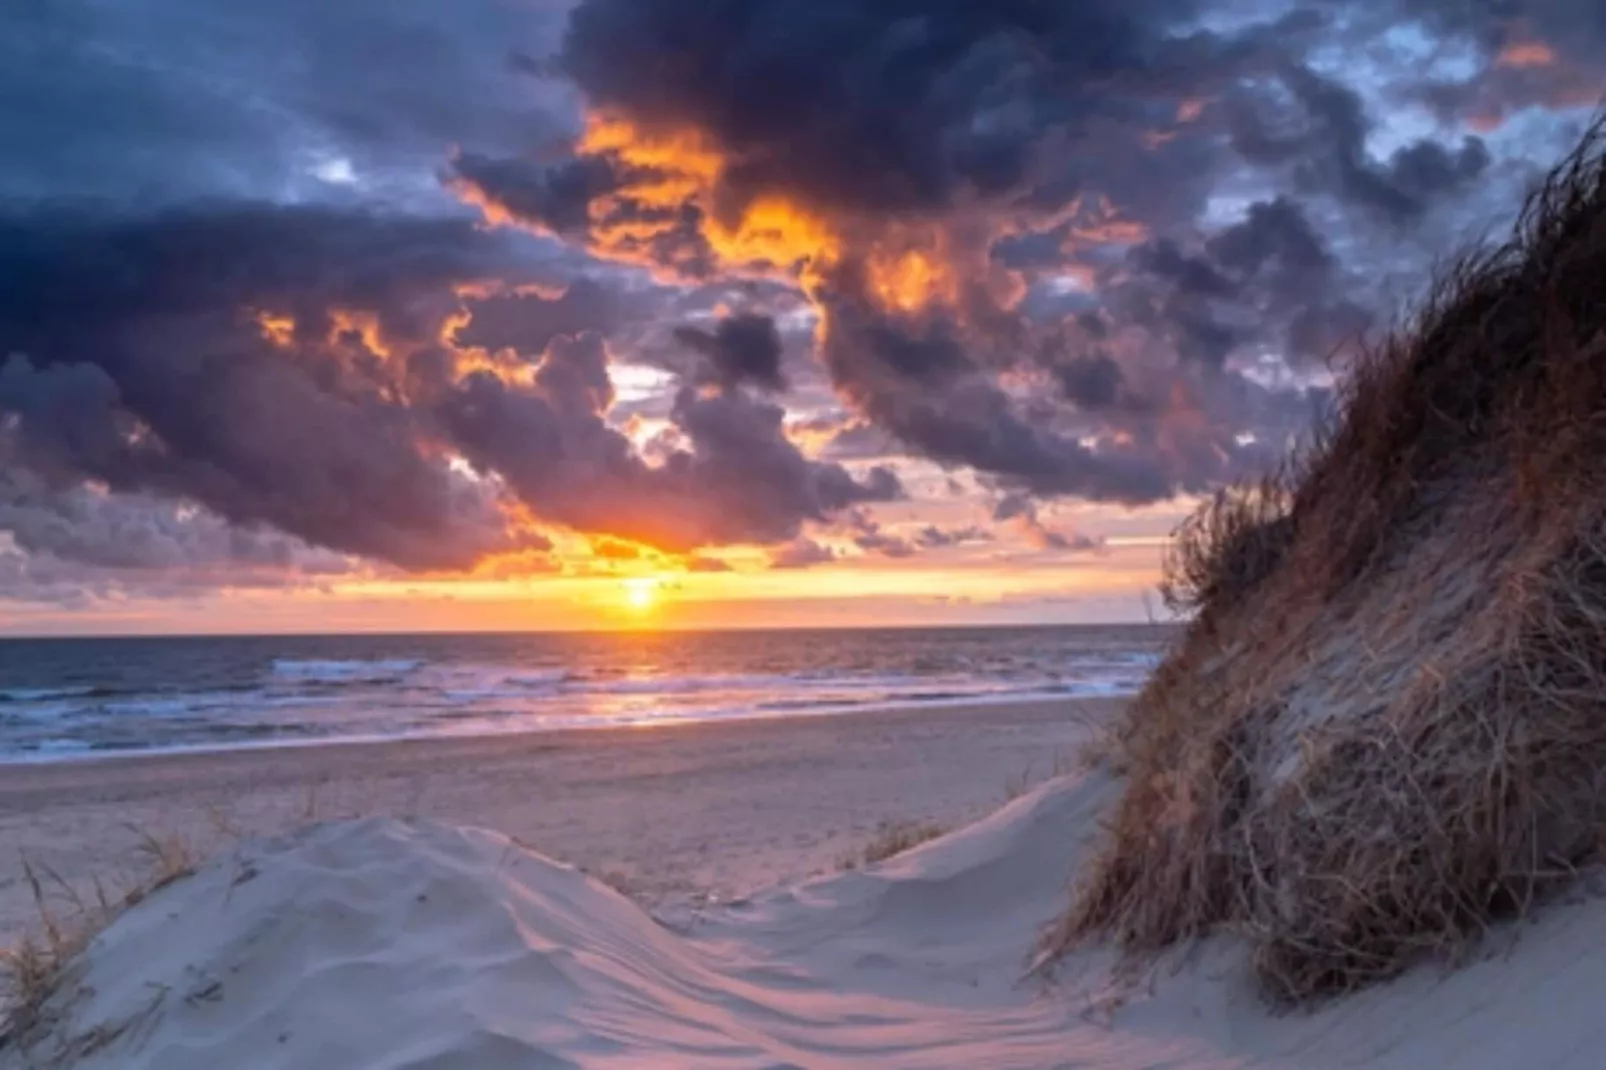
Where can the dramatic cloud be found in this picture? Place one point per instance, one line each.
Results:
(303, 288)
(161, 102)
(112, 532)
(1023, 512)
(983, 201)
(1318, 128)
(314, 370)
(739, 479)
(528, 319)
(869, 536)
(932, 537)
(145, 356)
(744, 348)
(801, 553)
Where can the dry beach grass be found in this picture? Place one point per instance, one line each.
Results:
(1385, 728)
(33, 970)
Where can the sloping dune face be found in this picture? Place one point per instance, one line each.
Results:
(1386, 726)
(383, 945)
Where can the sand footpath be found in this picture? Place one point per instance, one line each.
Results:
(672, 815)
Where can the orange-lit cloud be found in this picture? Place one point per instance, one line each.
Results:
(279, 329)
(616, 550)
(911, 280)
(668, 212)
(361, 323)
(668, 171)
(1525, 55)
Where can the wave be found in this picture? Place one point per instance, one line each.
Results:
(293, 700)
(682, 685)
(57, 694)
(359, 671)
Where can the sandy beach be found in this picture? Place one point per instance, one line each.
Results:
(418, 944)
(671, 815)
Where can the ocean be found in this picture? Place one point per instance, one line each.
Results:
(71, 698)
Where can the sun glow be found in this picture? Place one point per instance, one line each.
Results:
(641, 593)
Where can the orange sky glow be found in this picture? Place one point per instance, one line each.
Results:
(1115, 585)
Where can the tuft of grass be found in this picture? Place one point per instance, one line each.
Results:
(35, 969)
(1018, 784)
(892, 838)
(1062, 764)
(1231, 543)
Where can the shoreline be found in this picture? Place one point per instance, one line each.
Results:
(66, 756)
(672, 813)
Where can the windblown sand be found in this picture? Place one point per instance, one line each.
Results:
(420, 945)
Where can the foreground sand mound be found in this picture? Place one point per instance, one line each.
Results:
(1386, 726)
(381, 945)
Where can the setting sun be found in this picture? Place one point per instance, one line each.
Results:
(641, 593)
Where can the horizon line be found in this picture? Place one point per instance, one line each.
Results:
(423, 634)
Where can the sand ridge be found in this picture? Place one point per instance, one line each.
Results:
(416, 945)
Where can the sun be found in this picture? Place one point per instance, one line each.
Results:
(641, 594)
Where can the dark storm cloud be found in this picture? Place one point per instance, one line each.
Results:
(740, 480)
(1535, 53)
(1319, 127)
(801, 553)
(1090, 381)
(162, 101)
(1132, 202)
(528, 321)
(922, 386)
(136, 362)
(292, 368)
(872, 113)
(1268, 279)
(574, 198)
(1494, 24)
(864, 115)
(868, 535)
(884, 544)
(556, 197)
(874, 107)
(740, 349)
(65, 263)
(143, 533)
(932, 537)
(876, 112)
(1022, 511)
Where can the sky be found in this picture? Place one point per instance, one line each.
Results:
(524, 314)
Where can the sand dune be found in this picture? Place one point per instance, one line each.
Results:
(388, 944)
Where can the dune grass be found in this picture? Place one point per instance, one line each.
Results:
(33, 970)
(1384, 729)
(892, 838)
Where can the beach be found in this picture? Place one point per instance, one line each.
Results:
(419, 942)
(673, 815)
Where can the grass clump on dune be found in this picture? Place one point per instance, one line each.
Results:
(892, 838)
(33, 970)
(1385, 727)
